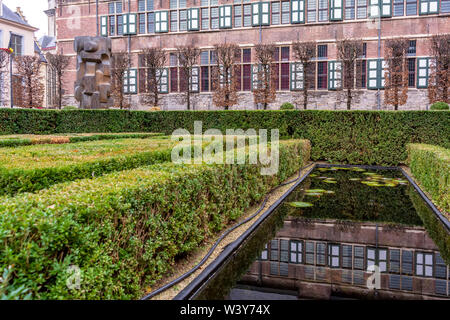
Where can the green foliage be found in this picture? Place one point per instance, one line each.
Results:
(287, 106)
(439, 106)
(125, 230)
(61, 139)
(435, 228)
(430, 165)
(10, 292)
(356, 137)
(32, 168)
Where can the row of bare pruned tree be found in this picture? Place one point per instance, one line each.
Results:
(29, 88)
(28, 78)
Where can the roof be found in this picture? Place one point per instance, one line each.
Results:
(8, 14)
(47, 43)
(37, 49)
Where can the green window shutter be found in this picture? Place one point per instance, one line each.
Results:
(423, 72)
(265, 13)
(193, 19)
(298, 11)
(130, 81)
(372, 74)
(382, 66)
(104, 26)
(336, 12)
(225, 17)
(334, 75)
(380, 8)
(126, 82)
(161, 21)
(125, 24)
(256, 14)
(297, 76)
(374, 8)
(163, 74)
(195, 79)
(132, 23)
(386, 8)
(261, 14)
(428, 7)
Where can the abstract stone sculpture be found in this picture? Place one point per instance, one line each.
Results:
(93, 84)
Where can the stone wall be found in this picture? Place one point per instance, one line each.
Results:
(319, 100)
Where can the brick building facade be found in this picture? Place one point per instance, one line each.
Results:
(136, 24)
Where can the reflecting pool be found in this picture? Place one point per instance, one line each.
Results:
(342, 233)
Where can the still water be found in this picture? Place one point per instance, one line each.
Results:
(329, 236)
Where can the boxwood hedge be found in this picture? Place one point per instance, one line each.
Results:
(32, 168)
(62, 139)
(357, 137)
(126, 229)
(430, 165)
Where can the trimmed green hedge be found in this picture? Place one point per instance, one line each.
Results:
(20, 142)
(125, 230)
(430, 165)
(357, 137)
(32, 168)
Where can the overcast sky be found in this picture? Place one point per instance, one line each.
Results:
(34, 13)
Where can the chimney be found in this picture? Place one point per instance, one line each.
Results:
(20, 13)
(1, 8)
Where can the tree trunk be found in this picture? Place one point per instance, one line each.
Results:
(349, 99)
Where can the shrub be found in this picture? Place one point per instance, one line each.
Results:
(357, 137)
(430, 165)
(439, 106)
(19, 142)
(33, 168)
(124, 230)
(287, 106)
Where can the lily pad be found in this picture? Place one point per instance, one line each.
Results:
(300, 204)
(314, 194)
(315, 190)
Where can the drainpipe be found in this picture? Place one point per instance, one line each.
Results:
(11, 73)
(96, 17)
(379, 57)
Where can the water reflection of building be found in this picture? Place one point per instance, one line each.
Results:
(323, 259)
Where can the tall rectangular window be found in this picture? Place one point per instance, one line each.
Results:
(247, 15)
(237, 16)
(183, 20)
(322, 75)
(276, 11)
(411, 7)
(349, 9)
(424, 264)
(334, 255)
(205, 19)
(214, 18)
(323, 10)
(312, 10)
(361, 9)
(151, 22)
(16, 43)
(399, 8)
(285, 12)
(296, 251)
(445, 6)
(173, 21)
